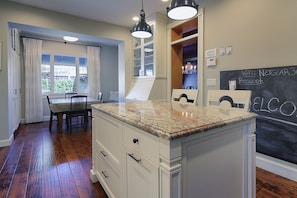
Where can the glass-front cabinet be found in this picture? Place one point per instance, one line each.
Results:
(144, 56)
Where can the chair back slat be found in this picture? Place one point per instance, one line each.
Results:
(229, 99)
(185, 96)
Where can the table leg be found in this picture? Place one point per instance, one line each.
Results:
(60, 121)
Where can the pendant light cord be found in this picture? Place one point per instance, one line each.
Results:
(142, 14)
(142, 4)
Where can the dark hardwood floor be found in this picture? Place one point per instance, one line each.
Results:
(41, 164)
(270, 185)
(44, 164)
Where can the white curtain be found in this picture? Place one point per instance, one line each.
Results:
(93, 70)
(33, 92)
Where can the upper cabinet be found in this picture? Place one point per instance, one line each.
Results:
(149, 60)
(144, 56)
(184, 55)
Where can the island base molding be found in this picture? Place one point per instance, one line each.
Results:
(277, 166)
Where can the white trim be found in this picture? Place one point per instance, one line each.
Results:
(200, 63)
(7, 142)
(277, 166)
(0, 56)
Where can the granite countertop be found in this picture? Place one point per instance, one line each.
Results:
(171, 120)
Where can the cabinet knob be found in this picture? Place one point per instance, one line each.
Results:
(135, 140)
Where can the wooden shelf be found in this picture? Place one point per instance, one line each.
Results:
(189, 40)
(184, 39)
(187, 28)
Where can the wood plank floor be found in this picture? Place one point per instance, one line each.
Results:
(44, 164)
(41, 164)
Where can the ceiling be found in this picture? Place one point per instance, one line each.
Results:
(118, 12)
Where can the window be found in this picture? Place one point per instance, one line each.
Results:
(60, 74)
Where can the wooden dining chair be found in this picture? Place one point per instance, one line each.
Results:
(78, 109)
(185, 96)
(52, 113)
(69, 94)
(100, 96)
(229, 99)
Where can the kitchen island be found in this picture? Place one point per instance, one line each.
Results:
(160, 149)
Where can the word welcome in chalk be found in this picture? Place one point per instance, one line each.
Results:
(274, 105)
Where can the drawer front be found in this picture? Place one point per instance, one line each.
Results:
(110, 159)
(142, 177)
(108, 178)
(108, 133)
(141, 143)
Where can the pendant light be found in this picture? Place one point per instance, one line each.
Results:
(182, 9)
(141, 29)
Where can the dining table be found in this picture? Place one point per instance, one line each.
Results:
(61, 106)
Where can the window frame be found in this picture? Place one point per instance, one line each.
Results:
(52, 75)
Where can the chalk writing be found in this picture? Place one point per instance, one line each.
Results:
(250, 81)
(248, 73)
(278, 72)
(274, 100)
(286, 108)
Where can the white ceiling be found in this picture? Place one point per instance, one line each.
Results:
(118, 12)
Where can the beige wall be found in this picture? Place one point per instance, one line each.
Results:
(17, 13)
(262, 33)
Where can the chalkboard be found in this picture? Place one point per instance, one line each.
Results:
(274, 99)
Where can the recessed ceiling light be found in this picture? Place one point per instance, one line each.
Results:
(70, 38)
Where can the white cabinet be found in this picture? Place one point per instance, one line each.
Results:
(125, 159)
(142, 176)
(107, 153)
(144, 56)
(14, 73)
(130, 162)
(141, 163)
(149, 60)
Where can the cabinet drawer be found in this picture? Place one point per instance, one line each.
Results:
(110, 159)
(141, 142)
(108, 178)
(108, 132)
(142, 177)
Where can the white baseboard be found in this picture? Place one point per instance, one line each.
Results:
(277, 166)
(7, 142)
(46, 118)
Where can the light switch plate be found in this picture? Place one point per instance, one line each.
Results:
(211, 82)
(211, 61)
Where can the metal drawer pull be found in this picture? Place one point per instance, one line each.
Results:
(104, 174)
(133, 157)
(103, 153)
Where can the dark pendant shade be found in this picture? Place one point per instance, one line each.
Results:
(141, 29)
(182, 9)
